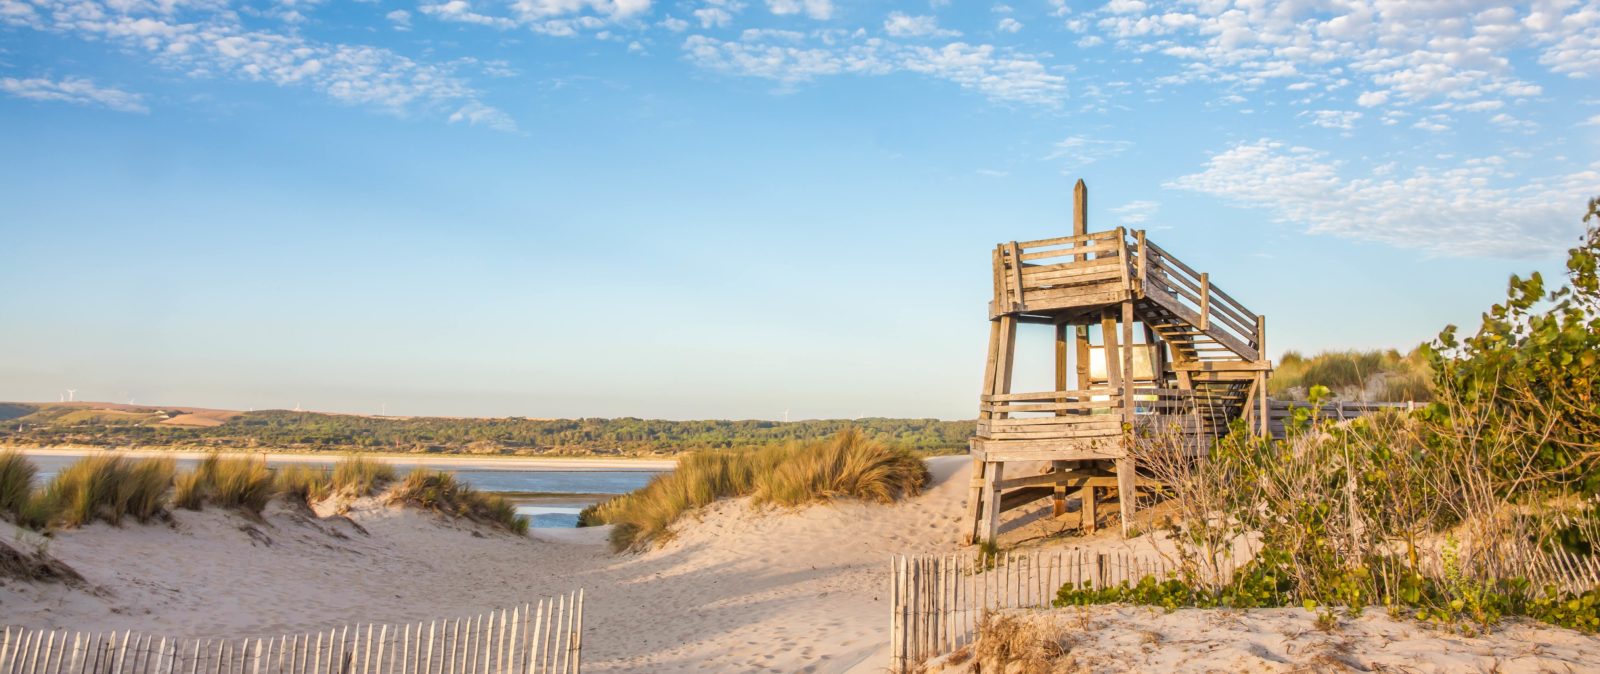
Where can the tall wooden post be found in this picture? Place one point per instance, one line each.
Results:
(1126, 495)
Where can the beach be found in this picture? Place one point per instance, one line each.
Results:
(736, 590)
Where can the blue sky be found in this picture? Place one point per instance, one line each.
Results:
(734, 209)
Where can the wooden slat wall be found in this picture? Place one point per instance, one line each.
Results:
(545, 637)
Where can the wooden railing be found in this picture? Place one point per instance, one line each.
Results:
(1279, 412)
(1109, 266)
(1090, 413)
(1210, 309)
(1048, 269)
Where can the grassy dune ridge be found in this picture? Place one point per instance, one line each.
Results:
(111, 488)
(845, 466)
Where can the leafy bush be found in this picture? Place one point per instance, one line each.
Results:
(845, 466)
(441, 492)
(358, 476)
(108, 487)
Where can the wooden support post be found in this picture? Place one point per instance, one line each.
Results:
(1080, 209)
(1081, 346)
(994, 472)
(1205, 301)
(975, 503)
(1088, 511)
(1061, 362)
(1127, 495)
(1144, 256)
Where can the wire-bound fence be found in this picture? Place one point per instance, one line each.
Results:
(538, 638)
(937, 602)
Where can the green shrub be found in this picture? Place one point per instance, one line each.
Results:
(441, 492)
(303, 484)
(16, 483)
(108, 487)
(845, 466)
(358, 476)
(1405, 377)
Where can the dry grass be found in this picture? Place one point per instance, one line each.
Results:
(303, 484)
(357, 476)
(229, 482)
(441, 492)
(16, 484)
(108, 487)
(1007, 643)
(1393, 377)
(845, 466)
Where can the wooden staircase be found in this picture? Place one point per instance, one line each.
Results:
(1200, 366)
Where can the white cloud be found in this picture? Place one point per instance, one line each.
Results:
(75, 90)
(713, 17)
(203, 39)
(1592, 121)
(1396, 53)
(400, 18)
(1474, 208)
(900, 24)
(1009, 25)
(792, 58)
(820, 10)
(674, 24)
(460, 11)
(1076, 152)
(1136, 212)
(1332, 119)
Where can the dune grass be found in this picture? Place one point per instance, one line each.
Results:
(242, 483)
(16, 482)
(844, 466)
(1405, 377)
(441, 492)
(303, 484)
(358, 476)
(108, 488)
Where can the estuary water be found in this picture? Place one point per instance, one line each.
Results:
(549, 498)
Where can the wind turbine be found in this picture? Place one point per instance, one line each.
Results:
(71, 392)
(786, 416)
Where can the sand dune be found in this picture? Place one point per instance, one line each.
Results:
(735, 591)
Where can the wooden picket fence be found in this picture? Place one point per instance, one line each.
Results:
(539, 638)
(937, 602)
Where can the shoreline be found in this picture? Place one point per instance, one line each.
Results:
(621, 464)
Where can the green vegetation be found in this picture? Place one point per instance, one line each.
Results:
(442, 493)
(108, 488)
(1459, 513)
(55, 425)
(303, 484)
(358, 476)
(241, 483)
(16, 482)
(845, 466)
(1369, 376)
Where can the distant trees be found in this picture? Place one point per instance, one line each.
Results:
(52, 424)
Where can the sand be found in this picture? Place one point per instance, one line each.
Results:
(736, 591)
(1137, 639)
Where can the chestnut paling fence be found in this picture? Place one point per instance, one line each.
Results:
(544, 637)
(938, 601)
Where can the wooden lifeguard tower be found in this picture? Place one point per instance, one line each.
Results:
(1146, 350)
